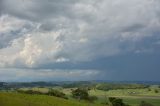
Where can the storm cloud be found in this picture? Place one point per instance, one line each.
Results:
(79, 35)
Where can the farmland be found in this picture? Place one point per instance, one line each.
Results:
(130, 96)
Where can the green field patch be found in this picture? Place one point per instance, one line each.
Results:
(17, 99)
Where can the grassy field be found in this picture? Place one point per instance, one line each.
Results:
(16, 99)
(133, 97)
(136, 101)
(126, 92)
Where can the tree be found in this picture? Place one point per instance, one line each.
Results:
(117, 102)
(111, 99)
(149, 89)
(156, 91)
(56, 93)
(83, 94)
(80, 94)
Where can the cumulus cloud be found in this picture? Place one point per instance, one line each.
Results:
(58, 31)
(34, 34)
(12, 28)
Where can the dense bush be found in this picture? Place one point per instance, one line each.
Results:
(50, 93)
(56, 93)
(33, 92)
(92, 98)
(111, 99)
(80, 94)
(143, 103)
(83, 94)
(109, 86)
(156, 91)
(149, 89)
(116, 101)
(28, 91)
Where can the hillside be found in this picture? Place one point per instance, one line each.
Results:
(16, 99)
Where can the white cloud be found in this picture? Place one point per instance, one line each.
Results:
(32, 49)
(41, 47)
(12, 28)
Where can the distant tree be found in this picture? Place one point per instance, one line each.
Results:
(143, 103)
(20, 91)
(156, 91)
(116, 101)
(149, 89)
(51, 92)
(80, 94)
(56, 93)
(111, 99)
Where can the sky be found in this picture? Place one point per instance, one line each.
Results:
(71, 40)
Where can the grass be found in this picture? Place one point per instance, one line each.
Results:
(16, 99)
(119, 92)
(136, 101)
(132, 97)
(125, 92)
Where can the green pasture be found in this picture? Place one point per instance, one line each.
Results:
(16, 99)
(133, 97)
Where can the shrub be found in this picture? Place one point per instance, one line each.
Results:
(83, 94)
(50, 93)
(149, 89)
(92, 98)
(143, 103)
(156, 91)
(80, 94)
(111, 99)
(105, 103)
(20, 91)
(117, 102)
(113, 86)
(56, 93)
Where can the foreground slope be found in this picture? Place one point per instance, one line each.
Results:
(16, 99)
